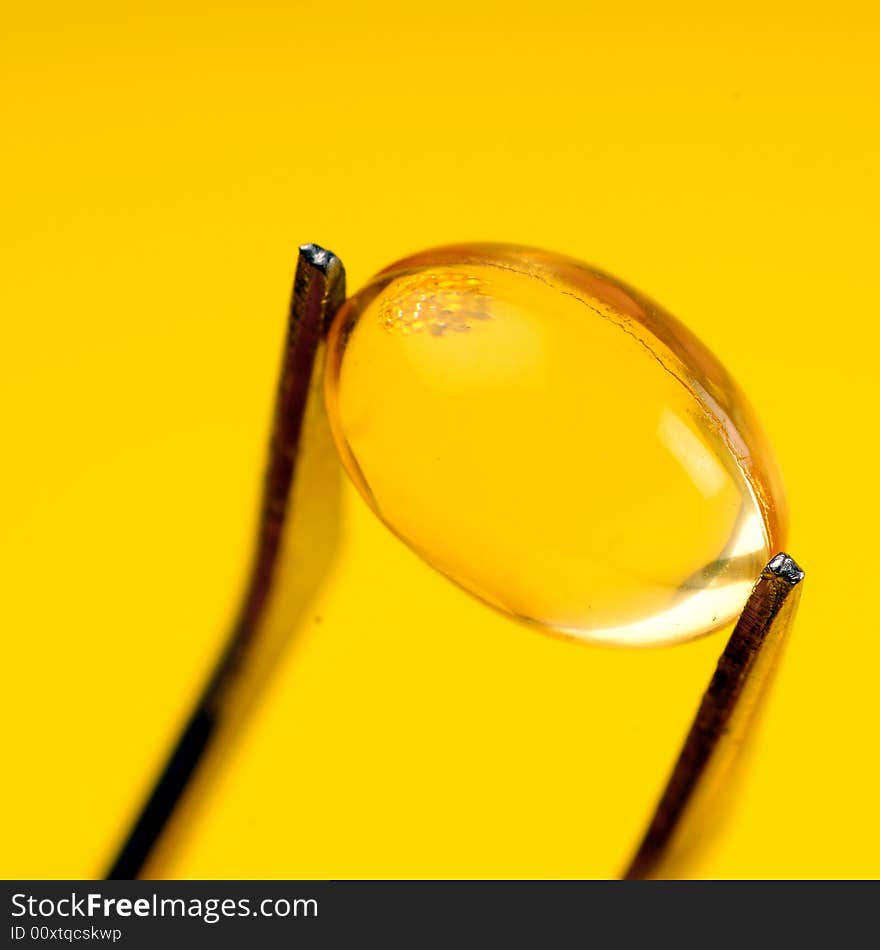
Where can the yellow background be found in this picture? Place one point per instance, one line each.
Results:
(161, 163)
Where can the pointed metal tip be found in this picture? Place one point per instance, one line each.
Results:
(785, 567)
(319, 258)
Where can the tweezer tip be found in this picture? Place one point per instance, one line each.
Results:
(319, 258)
(785, 567)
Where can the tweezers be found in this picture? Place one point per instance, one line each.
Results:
(724, 718)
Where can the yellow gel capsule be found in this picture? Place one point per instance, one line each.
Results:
(554, 442)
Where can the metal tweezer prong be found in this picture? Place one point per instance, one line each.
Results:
(723, 719)
(319, 289)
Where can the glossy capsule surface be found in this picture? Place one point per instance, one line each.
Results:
(554, 442)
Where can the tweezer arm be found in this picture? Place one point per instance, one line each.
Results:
(319, 289)
(723, 719)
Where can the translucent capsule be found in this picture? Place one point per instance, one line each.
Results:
(553, 442)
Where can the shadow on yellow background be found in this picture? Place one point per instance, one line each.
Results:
(161, 166)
